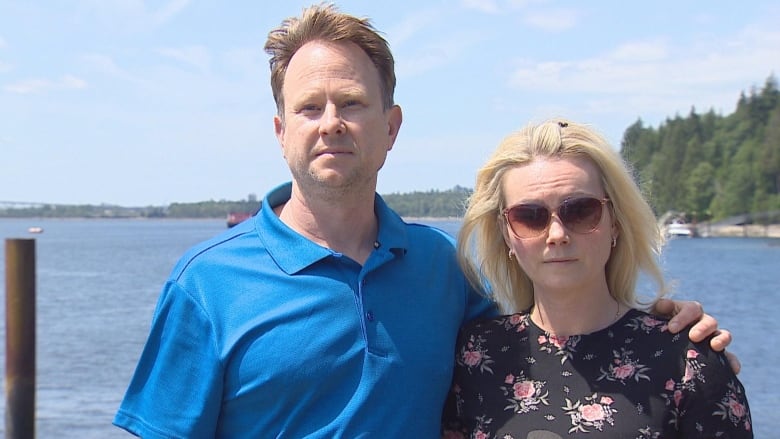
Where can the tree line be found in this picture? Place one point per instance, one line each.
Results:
(433, 203)
(711, 166)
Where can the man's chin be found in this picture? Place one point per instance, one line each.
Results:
(334, 178)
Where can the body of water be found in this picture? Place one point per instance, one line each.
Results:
(98, 282)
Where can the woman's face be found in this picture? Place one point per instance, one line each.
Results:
(560, 259)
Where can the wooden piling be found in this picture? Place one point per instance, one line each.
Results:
(20, 338)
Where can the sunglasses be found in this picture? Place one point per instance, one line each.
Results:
(578, 215)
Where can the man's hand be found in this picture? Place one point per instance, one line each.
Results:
(684, 313)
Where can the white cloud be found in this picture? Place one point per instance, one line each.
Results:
(411, 27)
(654, 68)
(641, 51)
(27, 86)
(4, 67)
(196, 56)
(132, 14)
(552, 20)
(169, 10)
(651, 79)
(31, 86)
(422, 53)
(72, 82)
(428, 58)
(106, 65)
(250, 62)
(520, 4)
(447, 49)
(486, 6)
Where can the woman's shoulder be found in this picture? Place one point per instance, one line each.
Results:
(510, 322)
(643, 320)
(640, 328)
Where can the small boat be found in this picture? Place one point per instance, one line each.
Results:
(680, 229)
(35, 229)
(234, 218)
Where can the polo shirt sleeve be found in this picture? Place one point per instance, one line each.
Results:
(176, 390)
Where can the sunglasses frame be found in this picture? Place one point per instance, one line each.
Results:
(556, 212)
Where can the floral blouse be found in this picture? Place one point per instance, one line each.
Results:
(633, 379)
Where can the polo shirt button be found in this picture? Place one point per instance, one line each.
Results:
(370, 316)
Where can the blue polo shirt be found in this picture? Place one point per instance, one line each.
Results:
(260, 332)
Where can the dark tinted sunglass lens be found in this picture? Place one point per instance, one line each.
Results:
(581, 215)
(528, 220)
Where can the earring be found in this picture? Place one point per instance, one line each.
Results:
(511, 253)
(614, 241)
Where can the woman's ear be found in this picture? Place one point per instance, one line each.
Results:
(501, 224)
(615, 232)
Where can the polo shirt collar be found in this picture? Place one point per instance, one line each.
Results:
(292, 252)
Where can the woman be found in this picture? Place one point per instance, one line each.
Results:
(560, 232)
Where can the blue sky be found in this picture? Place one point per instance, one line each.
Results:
(141, 103)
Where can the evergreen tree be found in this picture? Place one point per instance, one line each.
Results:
(699, 191)
(708, 165)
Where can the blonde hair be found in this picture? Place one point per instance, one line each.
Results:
(482, 251)
(324, 22)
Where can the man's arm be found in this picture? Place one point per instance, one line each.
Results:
(685, 313)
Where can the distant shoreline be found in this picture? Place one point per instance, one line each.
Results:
(703, 230)
(746, 231)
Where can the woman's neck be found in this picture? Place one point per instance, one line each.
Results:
(576, 316)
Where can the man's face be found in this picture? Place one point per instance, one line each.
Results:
(335, 132)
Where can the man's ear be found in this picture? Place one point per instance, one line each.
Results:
(279, 131)
(394, 119)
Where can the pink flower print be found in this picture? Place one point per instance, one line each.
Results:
(688, 373)
(623, 371)
(736, 409)
(669, 385)
(509, 379)
(558, 341)
(524, 389)
(479, 434)
(650, 321)
(515, 319)
(691, 354)
(542, 339)
(606, 400)
(472, 358)
(592, 412)
(677, 397)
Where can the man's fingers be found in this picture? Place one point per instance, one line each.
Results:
(691, 312)
(721, 340)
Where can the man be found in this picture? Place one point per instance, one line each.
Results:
(325, 315)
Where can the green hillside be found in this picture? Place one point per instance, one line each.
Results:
(712, 166)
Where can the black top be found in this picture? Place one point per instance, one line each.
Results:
(633, 379)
